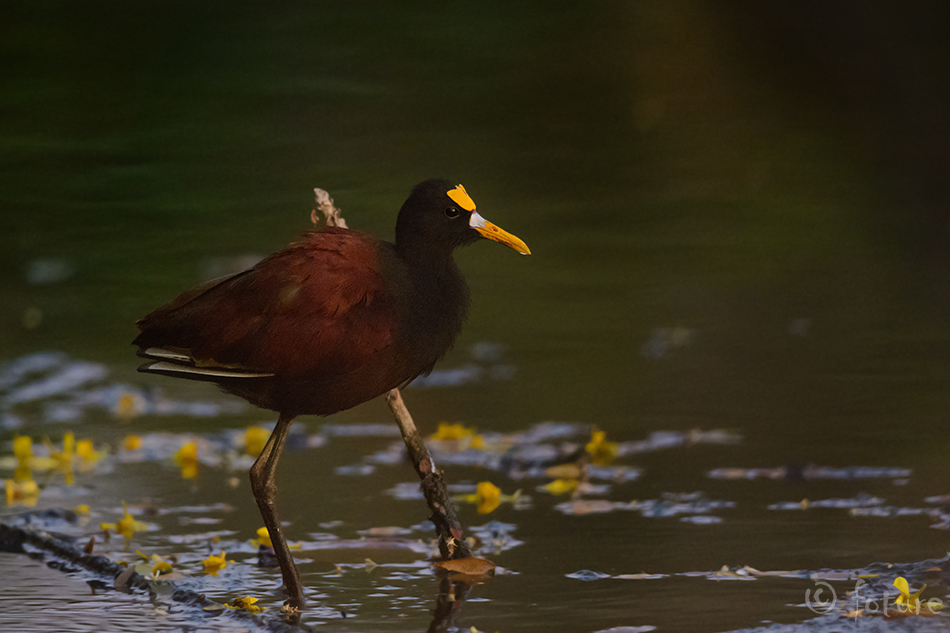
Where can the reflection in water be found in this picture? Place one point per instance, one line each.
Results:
(448, 603)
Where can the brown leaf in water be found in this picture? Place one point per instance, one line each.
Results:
(564, 471)
(122, 581)
(468, 566)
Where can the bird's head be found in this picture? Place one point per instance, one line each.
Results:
(440, 213)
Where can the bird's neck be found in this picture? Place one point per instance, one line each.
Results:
(440, 287)
(440, 300)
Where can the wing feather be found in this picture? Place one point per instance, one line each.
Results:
(319, 307)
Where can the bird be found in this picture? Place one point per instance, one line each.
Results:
(335, 319)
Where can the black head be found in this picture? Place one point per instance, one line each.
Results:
(440, 216)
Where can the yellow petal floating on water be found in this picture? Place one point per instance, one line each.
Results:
(187, 460)
(600, 450)
(460, 437)
(86, 452)
(23, 473)
(255, 437)
(23, 448)
(448, 431)
(69, 445)
(24, 493)
(900, 583)
(127, 526)
(161, 567)
(131, 442)
(73, 454)
(128, 406)
(247, 603)
(489, 497)
(263, 538)
(910, 604)
(213, 564)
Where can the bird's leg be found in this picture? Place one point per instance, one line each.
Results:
(265, 491)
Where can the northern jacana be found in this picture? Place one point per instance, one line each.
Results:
(334, 320)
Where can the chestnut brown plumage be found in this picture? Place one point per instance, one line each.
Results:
(332, 321)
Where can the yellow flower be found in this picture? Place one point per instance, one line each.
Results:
(66, 459)
(561, 486)
(132, 442)
(82, 510)
(86, 452)
(127, 525)
(910, 603)
(600, 450)
(22, 493)
(213, 564)
(187, 460)
(161, 567)
(448, 431)
(487, 496)
(900, 583)
(247, 603)
(128, 406)
(63, 460)
(23, 473)
(254, 439)
(69, 445)
(263, 538)
(23, 449)
(463, 436)
(153, 565)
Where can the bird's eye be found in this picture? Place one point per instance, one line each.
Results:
(452, 212)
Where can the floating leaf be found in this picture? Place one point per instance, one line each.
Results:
(467, 566)
(564, 471)
(561, 486)
(587, 506)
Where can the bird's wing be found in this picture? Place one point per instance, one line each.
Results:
(319, 307)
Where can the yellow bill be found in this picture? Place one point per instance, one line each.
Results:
(492, 232)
